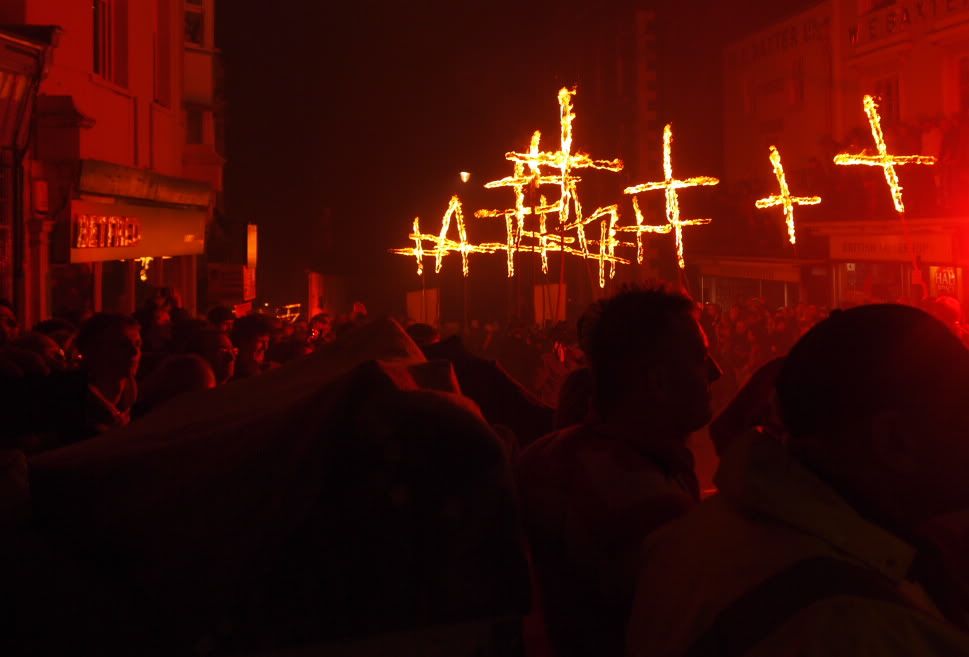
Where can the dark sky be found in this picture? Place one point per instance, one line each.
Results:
(345, 120)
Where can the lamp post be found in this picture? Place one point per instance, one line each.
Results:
(465, 176)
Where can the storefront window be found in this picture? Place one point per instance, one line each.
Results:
(865, 282)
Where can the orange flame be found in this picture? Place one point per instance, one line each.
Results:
(785, 199)
(883, 159)
(641, 227)
(564, 162)
(670, 186)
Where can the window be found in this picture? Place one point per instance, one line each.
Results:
(163, 52)
(194, 22)
(194, 126)
(111, 40)
(889, 103)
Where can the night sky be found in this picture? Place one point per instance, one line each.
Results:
(345, 120)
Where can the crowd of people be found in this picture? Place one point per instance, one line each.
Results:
(840, 523)
(63, 383)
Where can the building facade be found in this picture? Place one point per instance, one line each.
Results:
(799, 85)
(23, 62)
(122, 174)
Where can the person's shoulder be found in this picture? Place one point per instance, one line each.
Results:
(853, 625)
(551, 448)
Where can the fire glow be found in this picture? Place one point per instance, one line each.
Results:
(671, 186)
(784, 198)
(883, 159)
(535, 168)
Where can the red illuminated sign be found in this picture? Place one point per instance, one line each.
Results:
(100, 231)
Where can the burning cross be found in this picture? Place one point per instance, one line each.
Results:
(641, 228)
(883, 159)
(517, 181)
(670, 187)
(564, 161)
(442, 244)
(784, 198)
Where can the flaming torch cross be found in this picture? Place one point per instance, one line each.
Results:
(785, 199)
(883, 159)
(670, 186)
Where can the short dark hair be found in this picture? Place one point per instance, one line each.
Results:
(55, 325)
(220, 314)
(868, 359)
(94, 328)
(632, 326)
(249, 327)
(423, 334)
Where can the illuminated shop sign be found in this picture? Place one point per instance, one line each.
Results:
(123, 231)
(100, 231)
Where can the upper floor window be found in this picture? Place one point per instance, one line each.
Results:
(889, 101)
(195, 22)
(194, 126)
(163, 52)
(111, 40)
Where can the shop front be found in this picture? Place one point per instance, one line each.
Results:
(883, 261)
(112, 251)
(780, 282)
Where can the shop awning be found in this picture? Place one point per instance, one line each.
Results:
(761, 269)
(115, 180)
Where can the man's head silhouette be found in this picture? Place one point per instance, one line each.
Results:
(650, 362)
(874, 400)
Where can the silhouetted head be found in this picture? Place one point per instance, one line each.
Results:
(215, 346)
(874, 401)
(423, 334)
(251, 335)
(9, 326)
(649, 359)
(110, 345)
(60, 330)
(176, 375)
(222, 317)
(45, 347)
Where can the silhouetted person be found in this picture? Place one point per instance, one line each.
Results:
(174, 376)
(222, 317)
(848, 539)
(215, 346)
(575, 398)
(502, 399)
(101, 395)
(59, 330)
(592, 492)
(45, 347)
(9, 326)
(423, 334)
(321, 329)
(250, 335)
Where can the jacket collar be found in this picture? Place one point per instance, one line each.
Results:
(759, 475)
